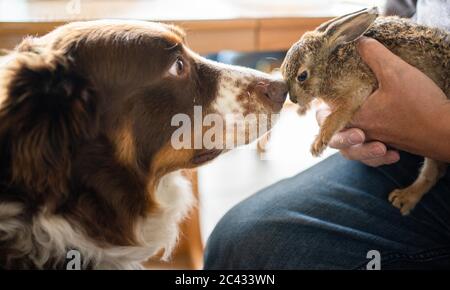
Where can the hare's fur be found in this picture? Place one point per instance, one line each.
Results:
(339, 77)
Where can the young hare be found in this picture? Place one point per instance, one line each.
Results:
(325, 64)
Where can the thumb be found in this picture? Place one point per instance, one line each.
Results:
(376, 56)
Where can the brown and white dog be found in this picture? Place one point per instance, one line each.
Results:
(86, 161)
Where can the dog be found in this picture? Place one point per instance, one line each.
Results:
(85, 140)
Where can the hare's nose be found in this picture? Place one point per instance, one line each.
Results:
(293, 98)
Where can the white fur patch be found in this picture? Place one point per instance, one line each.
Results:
(9, 223)
(50, 236)
(237, 99)
(234, 81)
(175, 199)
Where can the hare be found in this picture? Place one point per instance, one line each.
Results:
(325, 64)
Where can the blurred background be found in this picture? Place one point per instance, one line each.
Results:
(252, 33)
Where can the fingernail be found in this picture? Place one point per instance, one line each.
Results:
(394, 159)
(356, 138)
(362, 39)
(378, 151)
(339, 139)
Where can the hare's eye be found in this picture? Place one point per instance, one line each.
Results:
(303, 76)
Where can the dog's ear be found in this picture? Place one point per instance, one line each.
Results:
(49, 109)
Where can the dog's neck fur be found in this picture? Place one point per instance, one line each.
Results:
(43, 240)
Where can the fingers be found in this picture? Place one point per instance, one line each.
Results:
(351, 144)
(376, 56)
(372, 154)
(390, 157)
(365, 151)
(347, 138)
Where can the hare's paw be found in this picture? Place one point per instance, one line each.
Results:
(404, 199)
(263, 143)
(318, 146)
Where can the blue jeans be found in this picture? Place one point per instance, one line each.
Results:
(330, 216)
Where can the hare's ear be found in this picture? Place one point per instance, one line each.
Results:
(349, 27)
(322, 27)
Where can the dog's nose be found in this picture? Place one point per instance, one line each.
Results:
(276, 91)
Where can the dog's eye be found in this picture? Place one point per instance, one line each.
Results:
(303, 76)
(177, 68)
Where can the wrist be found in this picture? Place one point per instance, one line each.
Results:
(440, 143)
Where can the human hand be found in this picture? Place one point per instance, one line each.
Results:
(352, 144)
(408, 111)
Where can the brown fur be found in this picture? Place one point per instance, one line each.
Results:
(338, 76)
(85, 127)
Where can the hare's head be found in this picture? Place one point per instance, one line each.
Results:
(306, 61)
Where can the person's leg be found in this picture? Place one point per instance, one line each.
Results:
(330, 216)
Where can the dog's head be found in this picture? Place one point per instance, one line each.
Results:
(125, 82)
(97, 106)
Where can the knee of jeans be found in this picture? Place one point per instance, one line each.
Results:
(231, 237)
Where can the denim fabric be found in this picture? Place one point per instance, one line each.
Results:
(330, 216)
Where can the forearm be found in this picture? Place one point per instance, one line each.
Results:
(407, 112)
(431, 136)
(439, 147)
